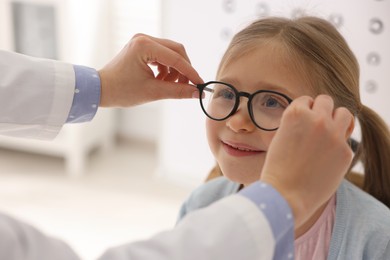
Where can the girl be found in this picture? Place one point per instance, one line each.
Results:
(266, 66)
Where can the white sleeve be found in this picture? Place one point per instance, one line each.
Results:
(20, 241)
(232, 228)
(35, 95)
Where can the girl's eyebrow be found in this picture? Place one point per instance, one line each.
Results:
(261, 85)
(269, 86)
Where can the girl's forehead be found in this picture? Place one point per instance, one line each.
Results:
(266, 67)
(272, 53)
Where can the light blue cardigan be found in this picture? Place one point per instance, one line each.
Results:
(361, 229)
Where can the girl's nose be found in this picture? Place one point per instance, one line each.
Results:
(240, 122)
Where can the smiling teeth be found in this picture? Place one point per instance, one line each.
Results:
(243, 149)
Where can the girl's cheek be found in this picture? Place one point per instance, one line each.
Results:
(211, 127)
(212, 131)
(265, 137)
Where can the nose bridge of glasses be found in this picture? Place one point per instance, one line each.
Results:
(241, 116)
(242, 94)
(243, 105)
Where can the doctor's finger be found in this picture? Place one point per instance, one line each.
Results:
(167, 57)
(323, 104)
(175, 90)
(175, 46)
(344, 121)
(299, 105)
(182, 79)
(162, 71)
(172, 75)
(302, 101)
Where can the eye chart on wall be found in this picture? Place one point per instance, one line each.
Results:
(206, 28)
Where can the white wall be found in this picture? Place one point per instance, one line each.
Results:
(205, 28)
(82, 28)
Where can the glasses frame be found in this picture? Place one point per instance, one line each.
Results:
(238, 94)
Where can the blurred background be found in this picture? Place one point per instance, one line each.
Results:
(123, 176)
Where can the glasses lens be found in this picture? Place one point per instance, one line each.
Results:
(218, 100)
(268, 108)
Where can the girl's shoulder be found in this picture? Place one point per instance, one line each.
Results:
(362, 225)
(207, 193)
(360, 203)
(212, 191)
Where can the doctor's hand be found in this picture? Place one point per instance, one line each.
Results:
(128, 80)
(309, 154)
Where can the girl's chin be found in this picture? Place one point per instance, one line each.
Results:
(242, 179)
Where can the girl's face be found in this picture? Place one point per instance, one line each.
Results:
(238, 145)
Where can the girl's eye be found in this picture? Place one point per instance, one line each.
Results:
(272, 102)
(226, 94)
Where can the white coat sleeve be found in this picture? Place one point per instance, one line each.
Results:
(232, 228)
(20, 241)
(35, 95)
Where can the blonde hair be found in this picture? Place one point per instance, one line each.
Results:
(321, 54)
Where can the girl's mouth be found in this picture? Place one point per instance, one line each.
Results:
(239, 150)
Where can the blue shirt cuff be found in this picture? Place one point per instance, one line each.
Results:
(86, 98)
(276, 209)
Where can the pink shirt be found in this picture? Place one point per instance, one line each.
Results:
(314, 244)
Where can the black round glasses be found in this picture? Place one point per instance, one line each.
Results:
(221, 100)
